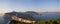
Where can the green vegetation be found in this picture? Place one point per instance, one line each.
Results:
(54, 21)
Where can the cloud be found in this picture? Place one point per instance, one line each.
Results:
(31, 9)
(53, 10)
(3, 11)
(38, 9)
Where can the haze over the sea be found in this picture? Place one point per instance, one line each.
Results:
(29, 5)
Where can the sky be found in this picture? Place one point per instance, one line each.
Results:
(29, 5)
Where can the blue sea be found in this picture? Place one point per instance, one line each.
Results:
(46, 16)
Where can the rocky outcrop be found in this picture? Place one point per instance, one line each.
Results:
(24, 15)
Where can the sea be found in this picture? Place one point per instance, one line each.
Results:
(47, 16)
(44, 16)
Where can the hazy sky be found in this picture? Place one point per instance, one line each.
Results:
(29, 5)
